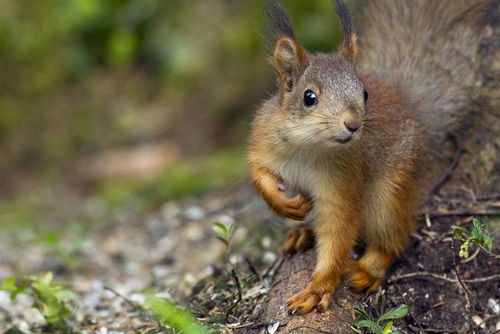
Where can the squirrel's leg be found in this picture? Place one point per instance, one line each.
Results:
(269, 185)
(298, 238)
(388, 223)
(369, 271)
(336, 228)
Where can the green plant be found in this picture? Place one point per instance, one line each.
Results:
(50, 298)
(364, 320)
(475, 236)
(224, 233)
(171, 315)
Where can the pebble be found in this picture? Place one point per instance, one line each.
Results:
(160, 271)
(91, 300)
(33, 315)
(266, 242)
(493, 305)
(101, 330)
(269, 257)
(138, 298)
(235, 259)
(478, 321)
(194, 213)
(225, 219)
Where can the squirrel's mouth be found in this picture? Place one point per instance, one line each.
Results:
(342, 139)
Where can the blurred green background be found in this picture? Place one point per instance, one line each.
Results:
(111, 99)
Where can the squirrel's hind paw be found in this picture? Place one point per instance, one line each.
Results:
(361, 279)
(308, 299)
(298, 238)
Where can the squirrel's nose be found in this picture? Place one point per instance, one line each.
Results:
(352, 126)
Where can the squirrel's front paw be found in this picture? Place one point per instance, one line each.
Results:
(295, 207)
(316, 295)
(298, 238)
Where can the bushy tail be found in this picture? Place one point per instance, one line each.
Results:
(428, 50)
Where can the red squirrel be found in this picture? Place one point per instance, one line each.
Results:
(349, 131)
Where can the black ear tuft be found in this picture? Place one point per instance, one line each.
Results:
(289, 58)
(345, 18)
(279, 23)
(349, 45)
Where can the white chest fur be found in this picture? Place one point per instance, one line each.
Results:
(299, 172)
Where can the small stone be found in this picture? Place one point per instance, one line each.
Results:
(478, 321)
(160, 271)
(235, 259)
(269, 257)
(138, 298)
(91, 301)
(266, 242)
(225, 219)
(194, 213)
(101, 330)
(493, 305)
(271, 329)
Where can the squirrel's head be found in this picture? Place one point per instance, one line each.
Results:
(322, 99)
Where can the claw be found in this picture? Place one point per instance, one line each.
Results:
(308, 299)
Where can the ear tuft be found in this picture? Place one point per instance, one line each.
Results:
(289, 60)
(349, 48)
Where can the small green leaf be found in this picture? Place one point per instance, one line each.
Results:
(397, 313)
(369, 324)
(360, 312)
(487, 243)
(172, 315)
(220, 229)
(64, 294)
(460, 233)
(9, 284)
(388, 328)
(477, 225)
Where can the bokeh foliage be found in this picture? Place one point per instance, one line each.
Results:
(81, 76)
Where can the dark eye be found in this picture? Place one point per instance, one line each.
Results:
(366, 96)
(310, 98)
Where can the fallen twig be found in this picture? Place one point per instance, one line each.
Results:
(128, 301)
(472, 257)
(469, 308)
(464, 213)
(425, 274)
(240, 294)
(252, 268)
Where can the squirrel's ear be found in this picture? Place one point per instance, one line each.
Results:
(349, 48)
(289, 60)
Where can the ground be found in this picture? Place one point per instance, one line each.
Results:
(174, 253)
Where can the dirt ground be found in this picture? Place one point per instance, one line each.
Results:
(174, 253)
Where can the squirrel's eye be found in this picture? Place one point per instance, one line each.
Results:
(366, 96)
(310, 98)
